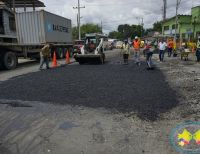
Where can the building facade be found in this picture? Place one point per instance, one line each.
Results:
(187, 28)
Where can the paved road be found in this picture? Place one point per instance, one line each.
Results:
(112, 86)
(87, 103)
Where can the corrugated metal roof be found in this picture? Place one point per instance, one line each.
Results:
(22, 3)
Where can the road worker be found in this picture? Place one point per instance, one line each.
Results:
(198, 50)
(126, 51)
(45, 55)
(136, 47)
(170, 45)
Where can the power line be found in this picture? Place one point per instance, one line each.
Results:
(108, 4)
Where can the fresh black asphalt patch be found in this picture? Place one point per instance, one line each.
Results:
(125, 88)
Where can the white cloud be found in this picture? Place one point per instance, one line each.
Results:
(115, 12)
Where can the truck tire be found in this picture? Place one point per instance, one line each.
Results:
(9, 60)
(1, 61)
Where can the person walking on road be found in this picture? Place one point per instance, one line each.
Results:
(136, 47)
(149, 54)
(162, 47)
(126, 51)
(198, 50)
(170, 47)
(44, 56)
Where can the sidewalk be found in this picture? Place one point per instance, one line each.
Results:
(29, 68)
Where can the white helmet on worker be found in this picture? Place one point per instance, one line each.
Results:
(136, 37)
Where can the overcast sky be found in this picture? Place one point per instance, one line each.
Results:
(115, 12)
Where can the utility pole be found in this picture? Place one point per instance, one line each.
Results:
(176, 20)
(13, 4)
(79, 16)
(164, 9)
(142, 24)
(101, 27)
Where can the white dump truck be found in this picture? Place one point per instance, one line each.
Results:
(23, 32)
(93, 49)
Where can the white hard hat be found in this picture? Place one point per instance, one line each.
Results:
(136, 37)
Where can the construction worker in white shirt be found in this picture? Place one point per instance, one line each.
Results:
(162, 47)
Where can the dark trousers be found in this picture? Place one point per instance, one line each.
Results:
(148, 59)
(125, 56)
(169, 52)
(161, 55)
(198, 54)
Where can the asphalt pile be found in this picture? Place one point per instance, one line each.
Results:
(116, 87)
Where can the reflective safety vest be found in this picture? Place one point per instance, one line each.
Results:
(198, 44)
(170, 44)
(136, 44)
(126, 49)
(141, 44)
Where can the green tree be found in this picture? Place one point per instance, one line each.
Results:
(75, 33)
(147, 31)
(115, 35)
(86, 28)
(157, 26)
(127, 31)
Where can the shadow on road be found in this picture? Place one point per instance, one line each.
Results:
(23, 64)
(123, 88)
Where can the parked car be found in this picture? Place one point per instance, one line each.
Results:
(119, 44)
(77, 46)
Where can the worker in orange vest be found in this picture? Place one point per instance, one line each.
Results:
(136, 47)
(170, 47)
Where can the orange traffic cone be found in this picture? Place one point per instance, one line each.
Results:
(67, 57)
(54, 64)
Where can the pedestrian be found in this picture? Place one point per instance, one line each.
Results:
(44, 56)
(198, 50)
(149, 54)
(136, 47)
(126, 51)
(162, 47)
(170, 47)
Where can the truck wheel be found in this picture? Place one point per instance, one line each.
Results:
(9, 60)
(1, 61)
